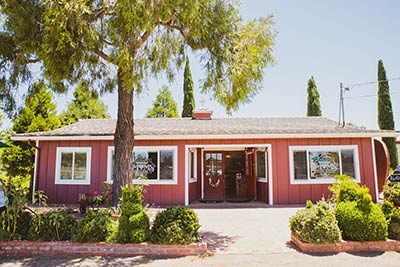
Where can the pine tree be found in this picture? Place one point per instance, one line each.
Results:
(313, 104)
(164, 106)
(39, 114)
(86, 105)
(385, 113)
(188, 87)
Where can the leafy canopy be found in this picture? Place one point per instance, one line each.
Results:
(86, 105)
(164, 106)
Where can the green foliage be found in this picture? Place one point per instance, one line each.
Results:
(93, 227)
(175, 225)
(313, 103)
(394, 225)
(385, 113)
(387, 209)
(348, 190)
(133, 224)
(188, 94)
(86, 105)
(391, 193)
(17, 190)
(359, 225)
(52, 226)
(39, 114)
(315, 224)
(164, 106)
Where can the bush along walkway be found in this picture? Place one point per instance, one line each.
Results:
(350, 223)
(58, 232)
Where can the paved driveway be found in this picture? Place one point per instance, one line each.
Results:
(246, 230)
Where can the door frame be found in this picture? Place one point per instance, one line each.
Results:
(225, 147)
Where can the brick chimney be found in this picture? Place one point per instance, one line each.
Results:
(202, 114)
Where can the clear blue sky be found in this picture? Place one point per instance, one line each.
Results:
(334, 41)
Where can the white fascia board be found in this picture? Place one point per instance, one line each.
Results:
(209, 136)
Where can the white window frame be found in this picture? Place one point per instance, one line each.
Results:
(308, 149)
(266, 153)
(60, 150)
(157, 149)
(194, 159)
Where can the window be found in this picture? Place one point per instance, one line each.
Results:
(153, 164)
(320, 164)
(192, 165)
(73, 165)
(262, 167)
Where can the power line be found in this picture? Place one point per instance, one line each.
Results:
(365, 96)
(373, 82)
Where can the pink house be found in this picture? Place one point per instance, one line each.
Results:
(273, 160)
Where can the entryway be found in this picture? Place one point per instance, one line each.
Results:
(229, 176)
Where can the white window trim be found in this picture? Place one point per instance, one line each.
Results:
(293, 149)
(266, 152)
(88, 151)
(148, 149)
(194, 159)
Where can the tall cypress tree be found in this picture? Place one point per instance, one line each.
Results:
(188, 100)
(313, 104)
(385, 113)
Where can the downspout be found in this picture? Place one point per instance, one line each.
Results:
(36, 146)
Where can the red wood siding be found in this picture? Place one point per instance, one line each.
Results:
(283, 192)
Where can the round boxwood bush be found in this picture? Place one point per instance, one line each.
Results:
(387, 209)
(95, 226)
(175, 225)
(315, 224)
(360, 224)
(391, 193)
(346, 189)
(394, 225)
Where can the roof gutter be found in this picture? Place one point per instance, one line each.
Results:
(209, 136)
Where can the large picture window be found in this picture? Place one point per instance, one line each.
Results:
(73, 165)
(151, 164)
(320, 164)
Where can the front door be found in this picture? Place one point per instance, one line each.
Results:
(214, 183)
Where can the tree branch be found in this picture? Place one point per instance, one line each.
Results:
(103, 55)
(143, 39)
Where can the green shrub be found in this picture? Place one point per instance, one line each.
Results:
(176, 225)
(52, 226)
(387, 209)
(348, 190)
(133, 224)
(394, 225)
(315, 224)
(361, 225)
(391, 193)
(95, 226)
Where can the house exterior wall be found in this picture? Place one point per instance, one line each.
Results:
(283, 192)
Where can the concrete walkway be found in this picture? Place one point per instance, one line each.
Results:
(246, 230)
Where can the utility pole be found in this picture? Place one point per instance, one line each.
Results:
(341, 105)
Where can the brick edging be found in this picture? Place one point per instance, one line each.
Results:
(347, 246)
(67, 248)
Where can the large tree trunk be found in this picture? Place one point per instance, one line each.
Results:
(123, 139)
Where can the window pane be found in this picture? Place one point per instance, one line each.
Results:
(145, 165)
(324, 164)
(166, 165)
(261, 164)
(348, 162)
(66, 166)
(80, 166)
(191, 165)
(300, 164)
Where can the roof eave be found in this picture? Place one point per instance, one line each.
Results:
(211, 136)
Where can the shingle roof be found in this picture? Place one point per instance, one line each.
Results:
(216, 126)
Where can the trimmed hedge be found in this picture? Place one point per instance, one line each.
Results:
(95, 226)
(361, 225)
(175, 225)
(394, 224)
(391, 193)
(315, 224)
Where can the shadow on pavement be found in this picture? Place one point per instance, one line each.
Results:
(217, 242)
